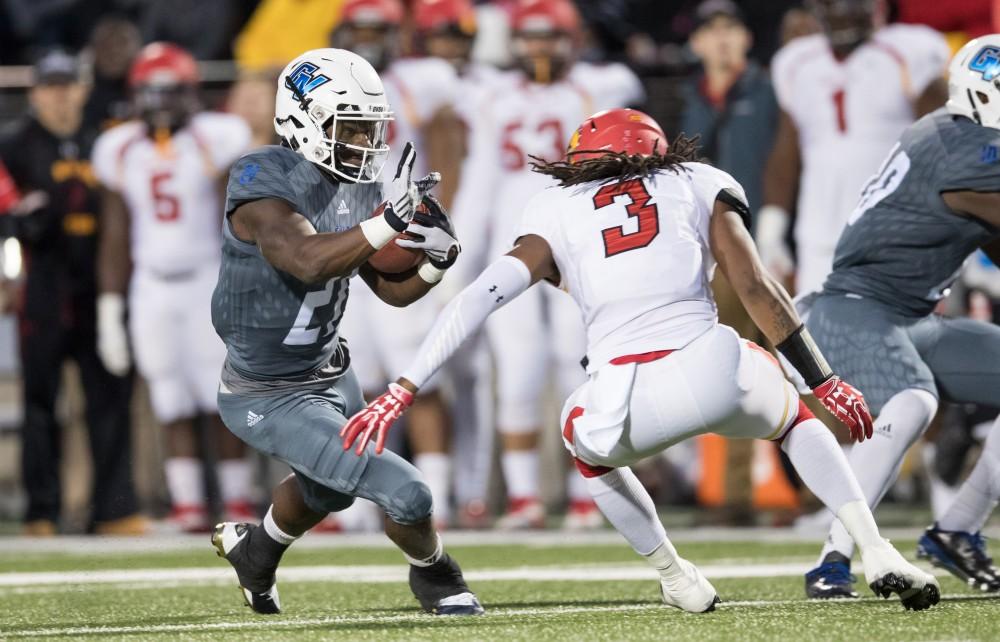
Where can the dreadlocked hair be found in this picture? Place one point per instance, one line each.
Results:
(612, 166)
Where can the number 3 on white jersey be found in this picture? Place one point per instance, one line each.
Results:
(889, 176)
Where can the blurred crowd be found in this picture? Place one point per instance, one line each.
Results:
(120, 125)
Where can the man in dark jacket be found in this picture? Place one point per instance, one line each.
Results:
(54, 218)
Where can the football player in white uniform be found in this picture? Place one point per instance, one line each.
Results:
(419, 90)
(846, 95)
(633, 232)
(532, 115)
(160, 214)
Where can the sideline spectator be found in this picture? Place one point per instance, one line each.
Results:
(114, 43)
(55, 219)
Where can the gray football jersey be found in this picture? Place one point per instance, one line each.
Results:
(902, 245)
(276, 327)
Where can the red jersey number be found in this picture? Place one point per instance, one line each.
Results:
(616, 240)
(514, 158)
(166, 206)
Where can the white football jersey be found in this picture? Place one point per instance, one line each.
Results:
(522, 119)
(172, 188)
(635, 256)
(416, 89)
(848, 115)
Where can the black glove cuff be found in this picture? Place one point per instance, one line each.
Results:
(804, 355)
(392, 219)
(450, 261)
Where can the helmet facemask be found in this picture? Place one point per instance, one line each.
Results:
(352, 145)
(545, 56)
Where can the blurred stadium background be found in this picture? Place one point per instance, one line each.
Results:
(239, 44)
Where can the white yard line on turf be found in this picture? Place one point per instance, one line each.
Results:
(377, 574)
(167, 543)
(257, 623)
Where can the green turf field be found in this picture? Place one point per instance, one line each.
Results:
(538, 589)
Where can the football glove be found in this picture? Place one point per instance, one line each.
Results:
(432, 232)
(772, 226)
(402, 194)
(848, 405)
(112, 339)
(376, 419)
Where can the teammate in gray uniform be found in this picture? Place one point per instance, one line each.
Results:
(935, 200)
(299, 224)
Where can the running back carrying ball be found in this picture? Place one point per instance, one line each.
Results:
(395, 257)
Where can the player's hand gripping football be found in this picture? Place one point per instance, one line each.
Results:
(403, 194)
(376, 419)
(848, 405)
(433, 233)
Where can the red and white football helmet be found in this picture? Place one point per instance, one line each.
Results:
(627, 131)
(164, 80)
(545, 36)
(439, 15)
(370, 28)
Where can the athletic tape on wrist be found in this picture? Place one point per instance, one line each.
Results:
(378, 232)
(805, 356)
(429, 273)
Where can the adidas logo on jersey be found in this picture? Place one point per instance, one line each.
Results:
(253, 418)
(342, 209)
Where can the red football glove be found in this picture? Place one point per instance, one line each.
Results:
(378, 416)
(848, 405)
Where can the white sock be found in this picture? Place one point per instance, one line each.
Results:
(427, 561)
(978, 496)
(819, 461)
(628, 506)
(576, 486)
(663, 557)
(857, 519)
(520, 473)
(274, 532)
(234, 480)
(185, 481)
(876, 463)
(436, 469)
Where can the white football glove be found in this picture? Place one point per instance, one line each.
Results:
(772, 226)
(112, 338)
(434, 234)
(402, 194)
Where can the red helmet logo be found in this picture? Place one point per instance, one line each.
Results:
(163, 63)
(626, 131)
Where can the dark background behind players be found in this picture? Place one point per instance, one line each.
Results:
(47, 155)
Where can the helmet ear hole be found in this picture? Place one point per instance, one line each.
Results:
(983, 98)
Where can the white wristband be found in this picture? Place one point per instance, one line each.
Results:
(429, 273)
(110, 307)
(377, 231)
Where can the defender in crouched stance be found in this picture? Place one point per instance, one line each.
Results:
(633, 234)
(301, 220)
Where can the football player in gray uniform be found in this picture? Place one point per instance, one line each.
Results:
(935, 201)
(301, 219)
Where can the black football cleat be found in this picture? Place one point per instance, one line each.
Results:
(832, 579)
(441, 589)
(961, 554)
(887, 572)
(257, 584)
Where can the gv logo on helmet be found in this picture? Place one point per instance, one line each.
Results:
(304, 79)
(987, 62)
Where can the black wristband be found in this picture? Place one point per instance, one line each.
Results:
(801, 351)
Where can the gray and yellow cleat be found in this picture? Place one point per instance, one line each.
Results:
(257, 584)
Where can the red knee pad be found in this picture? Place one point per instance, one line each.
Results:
(587, 470)
(804, 415)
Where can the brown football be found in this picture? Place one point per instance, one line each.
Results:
(392, 259)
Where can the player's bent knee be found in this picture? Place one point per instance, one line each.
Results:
(590, 471)
(410, 503)
(804, 415)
